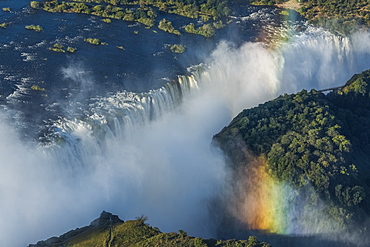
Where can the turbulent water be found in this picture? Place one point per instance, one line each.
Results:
(149, 153)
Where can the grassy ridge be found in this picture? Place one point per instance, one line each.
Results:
(108, 230)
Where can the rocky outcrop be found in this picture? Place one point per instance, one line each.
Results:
(105, 222)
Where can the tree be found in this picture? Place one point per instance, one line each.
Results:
(35, 4)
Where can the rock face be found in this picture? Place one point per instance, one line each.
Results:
(105, 221)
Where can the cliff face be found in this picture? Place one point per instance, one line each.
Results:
(108, 230)
(316, 144)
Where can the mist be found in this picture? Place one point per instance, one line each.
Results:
(163, 167)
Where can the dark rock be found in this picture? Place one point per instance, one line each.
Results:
(106, 219)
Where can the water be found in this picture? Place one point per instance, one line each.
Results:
(144, 64)
(130, 131)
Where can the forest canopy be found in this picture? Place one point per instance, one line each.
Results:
(311, 139)
(343, 16)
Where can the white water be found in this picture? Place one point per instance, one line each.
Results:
(150, 154)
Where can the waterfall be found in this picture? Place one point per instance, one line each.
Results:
(115, 117)
(149, 153)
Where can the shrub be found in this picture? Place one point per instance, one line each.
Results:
(71, 49)
(36, 28)
(37, 88)
(178, 48)
(107, 20)
(4, 25)
(57, 48)
(95, 41)
(35, 4)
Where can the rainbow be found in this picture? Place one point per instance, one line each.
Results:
(263, 203)
(267, 204)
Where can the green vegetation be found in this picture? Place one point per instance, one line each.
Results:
(188, 8)
(35, 4)
(167, 27)
(207, 30)
(219, 24)
(37, 88)
(310, 139)
(343, 16)
(71, 49)
(109, 230)
(95, 41)
(59, 48)
(6, 9)
(4, 25)
(107, 20)
(337, 15)
(145, 15)
(177, 48)
(142, 11)
(284, 12)
(36, 28)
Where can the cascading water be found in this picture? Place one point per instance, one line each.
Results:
(149, 153)
(116, 117)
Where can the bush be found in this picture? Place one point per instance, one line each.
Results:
(178, 48)
(36, 28)
(4, 25)
(57, 48)
(95, 41)
(71, 49)
(37, 88)
(35, 4)
(107, 20)
(167, 27)
(207, 30)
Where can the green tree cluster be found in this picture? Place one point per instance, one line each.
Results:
(4, 25)
(95, 41)
(35, 4)
(37, 88)
(188, 8)
(343, 16)
(207, 30)
(142, 12)
(311, 139)
(166, 26)
(60, 48)
(177, 48)
(57, 48)
(36, 28)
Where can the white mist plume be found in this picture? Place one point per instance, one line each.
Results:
(316, 59)
(78, 75)
(164, 169)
